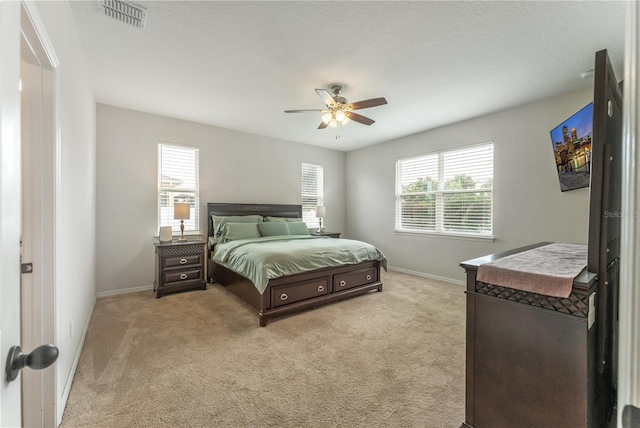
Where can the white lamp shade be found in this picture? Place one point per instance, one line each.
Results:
(181, 211)
(320, 211)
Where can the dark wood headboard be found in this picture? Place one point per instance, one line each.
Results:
(274, 210)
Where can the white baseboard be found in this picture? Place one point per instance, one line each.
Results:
(125, 291)
(428, 275)
(67, 387)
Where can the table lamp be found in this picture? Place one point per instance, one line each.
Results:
(181, 212)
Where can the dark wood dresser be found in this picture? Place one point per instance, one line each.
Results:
(532, 360)
(180, 266)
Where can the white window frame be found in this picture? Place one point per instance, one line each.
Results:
(439, 194)
(312, 191)
(174, 192)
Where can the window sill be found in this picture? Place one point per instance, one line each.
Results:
(176, 236)
(447, 235)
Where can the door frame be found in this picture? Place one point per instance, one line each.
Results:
(38, 308)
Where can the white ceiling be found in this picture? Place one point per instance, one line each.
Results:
(239, 65)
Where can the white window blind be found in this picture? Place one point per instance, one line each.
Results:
(178, 181)
(312, 193)
(447, 192)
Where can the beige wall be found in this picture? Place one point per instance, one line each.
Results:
(234, 167)
(528, 204)
(75, 262)
(239, 167)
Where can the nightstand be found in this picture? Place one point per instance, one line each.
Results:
(179, 266)
(325, 233)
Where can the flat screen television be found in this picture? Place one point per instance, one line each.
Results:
(571, 142)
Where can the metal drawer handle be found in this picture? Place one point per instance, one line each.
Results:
(368, 277)
(320, 288)
(184, 276)
(183, 261)
(343, 283)
(283, 296)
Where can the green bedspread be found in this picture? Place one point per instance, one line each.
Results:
(262, 259)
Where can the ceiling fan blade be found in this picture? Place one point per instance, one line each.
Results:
(323, 125)
(373, 102)
(302, 111)
(326, 97)
(359, 118)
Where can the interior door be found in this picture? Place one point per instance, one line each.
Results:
(10, 398)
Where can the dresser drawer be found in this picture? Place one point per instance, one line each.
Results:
(178, 276)
(287, 294)
(185, 260)
(353, 279)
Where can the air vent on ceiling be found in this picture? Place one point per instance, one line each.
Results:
(124, 11)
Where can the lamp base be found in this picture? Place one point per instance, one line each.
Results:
(182, 238)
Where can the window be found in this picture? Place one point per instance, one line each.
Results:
(446, 192)
(178, 172)
(312, 181)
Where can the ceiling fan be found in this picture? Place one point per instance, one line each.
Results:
(338, 111)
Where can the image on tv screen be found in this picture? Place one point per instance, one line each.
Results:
(572, 149)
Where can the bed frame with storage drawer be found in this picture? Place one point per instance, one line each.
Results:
(293, 293)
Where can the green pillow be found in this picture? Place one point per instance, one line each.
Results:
(235, 231)
(298, 229)
(282, 219)
(273, 228)
(219, 221)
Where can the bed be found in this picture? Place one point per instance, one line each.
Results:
(291, 293)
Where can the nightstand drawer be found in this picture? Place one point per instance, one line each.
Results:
(286, 295)
(182, 276)
(354, 279)
(186, 260)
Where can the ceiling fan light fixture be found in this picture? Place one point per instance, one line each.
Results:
(339, 111)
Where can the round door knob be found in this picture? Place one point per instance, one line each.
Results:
(320, 288)
(283, 296)
(343, 283)
(40, 358)
(368, 277)
(183, 261)
(184, 276)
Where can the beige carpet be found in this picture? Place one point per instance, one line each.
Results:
(199, 359)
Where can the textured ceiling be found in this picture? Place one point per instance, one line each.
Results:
(239, 65)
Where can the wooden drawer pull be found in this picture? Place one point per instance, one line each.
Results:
(320, 288)
(183, 261)
(343, 283)
(368, 277)
(283, 296)
(184, 276)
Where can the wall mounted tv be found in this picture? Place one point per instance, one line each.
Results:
(572, 149)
